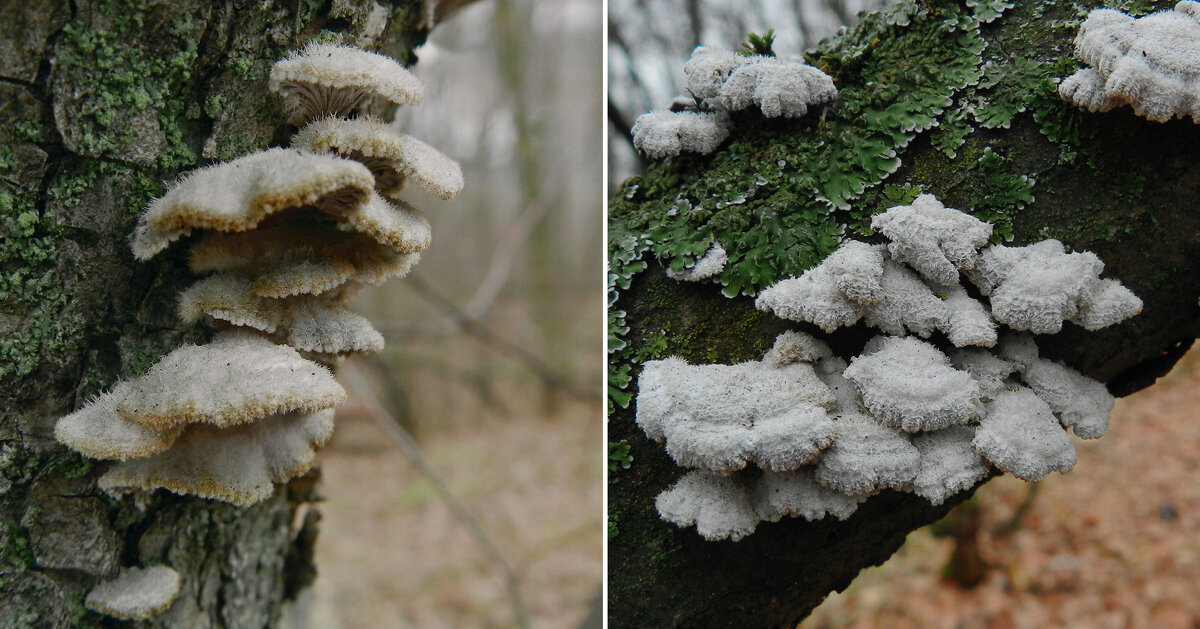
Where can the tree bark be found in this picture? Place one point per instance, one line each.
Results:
(1111, 183)
(101, 103)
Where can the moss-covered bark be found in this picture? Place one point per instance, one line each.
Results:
(103, 102)
(956, 99)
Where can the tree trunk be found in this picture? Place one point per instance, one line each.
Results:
(967, 101)
(103, 102)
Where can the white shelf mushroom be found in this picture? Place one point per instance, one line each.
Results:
(136, 593)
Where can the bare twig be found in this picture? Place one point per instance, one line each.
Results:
(503, 257)
(1009, 527)
(531, 361)
(352, 376)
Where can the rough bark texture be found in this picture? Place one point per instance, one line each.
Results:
(1111, 183)
(101, 102)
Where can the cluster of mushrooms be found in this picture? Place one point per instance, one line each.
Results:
(1149, 63)
(928, 406)
(720, 81)
(285, 237)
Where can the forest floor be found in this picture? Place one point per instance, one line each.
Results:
(391, 554)
(1115, 543)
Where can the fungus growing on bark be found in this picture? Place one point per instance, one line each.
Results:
(909, 384)
(719, 417)
(719, 507)
(1039, 286)
(306, 324)
(239, 465)
(97, 431)
(797, 493)
(1079, 401)
(1018, 434)
(660, 134)
(290, 235)
(934, 240)
(720, 81)
(1151, 63)
(331, 80)
(779, 86)
(236, 196)
(707, 69)
(391, 156)
(299, 253)
(706, 266)
(867, 456)
(830, 295)
(907, 414)
(136, 593)
(949, 463)
(238, 378)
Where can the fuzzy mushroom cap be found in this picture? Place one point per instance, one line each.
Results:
(908, 304)
(867, 456)
(797, 493)
(660, 134)
(239, 465)
(97, 431)
(847, 284)
(299, 253)
(331, 80)
(909, 384)
(136, 593)
(780, 86)
(793, 346)
(708, 68)
(719, 417)
(1019, 434)
(238, 195)
(395, 224)
(719, 507)
(239, 378)
(968, 321)
(305, 323)
(1151, 63)
(1079, 401)
(949, 463)
(391, 155)
(1039, 286)
(933, 239)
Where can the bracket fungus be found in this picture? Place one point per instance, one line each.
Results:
(331, 80)
(930, 415)
(720, 81)
(288, 234)
(721, 417)
(658, 134)
(1151, 63)
(391, 156)
(136, 593)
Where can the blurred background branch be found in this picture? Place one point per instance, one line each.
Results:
(492, 370)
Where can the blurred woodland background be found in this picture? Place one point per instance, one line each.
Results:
(493, 345)
(1116, 543)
